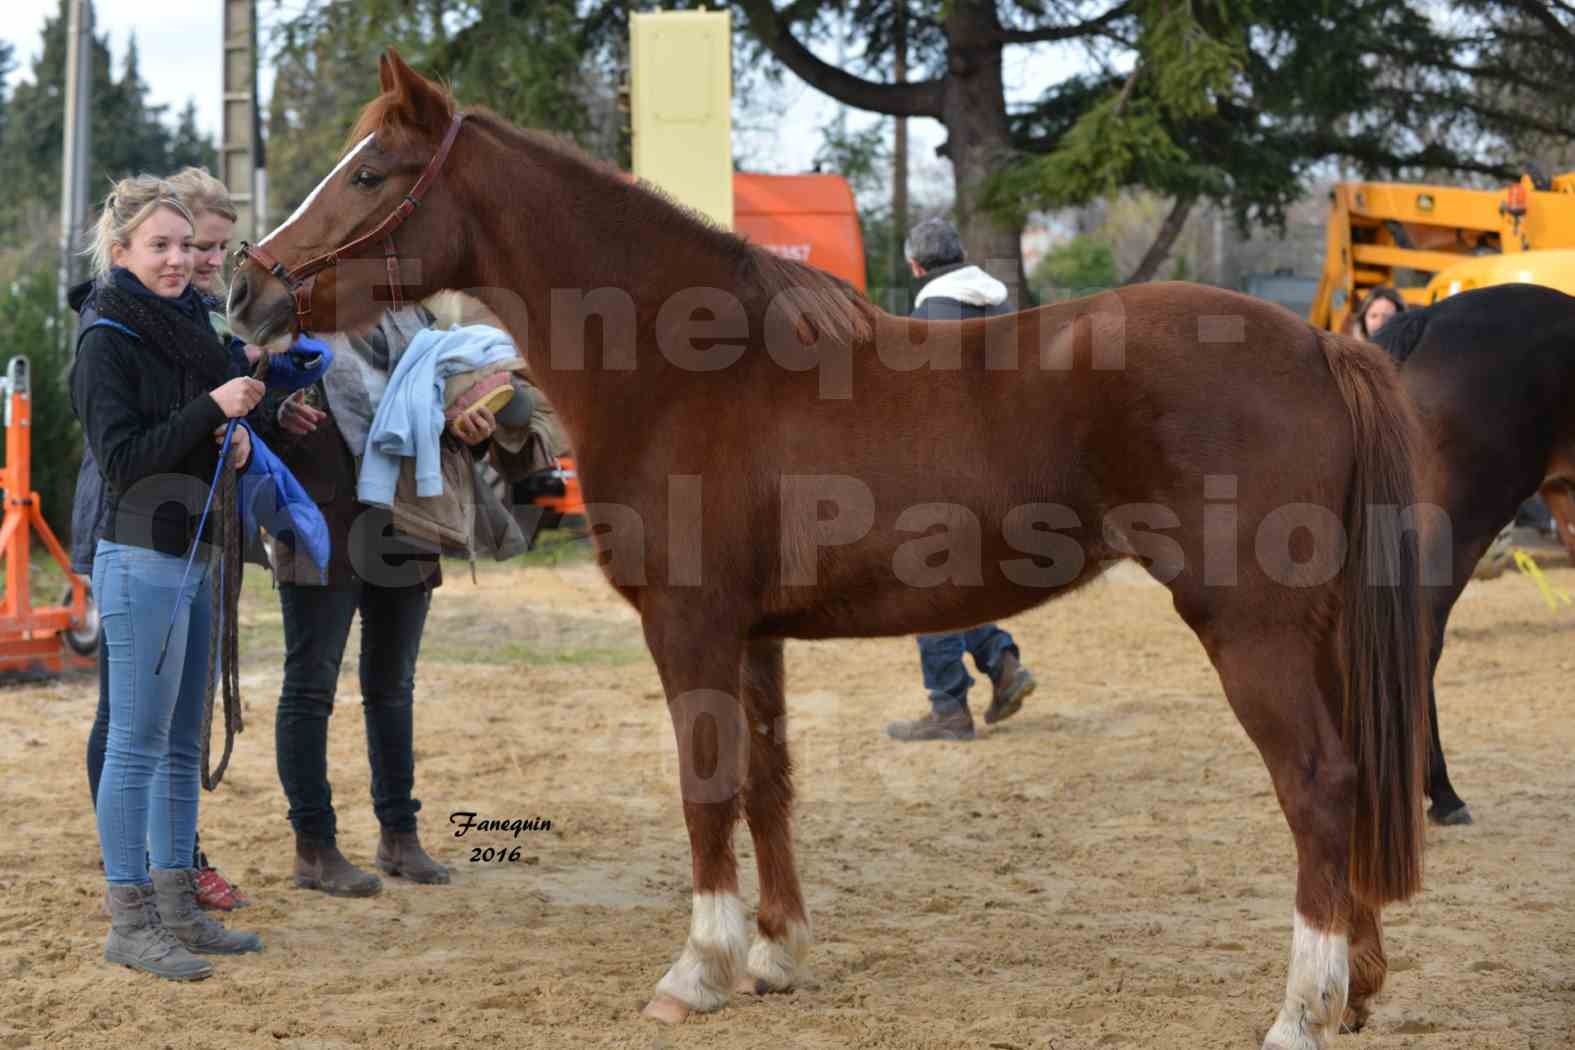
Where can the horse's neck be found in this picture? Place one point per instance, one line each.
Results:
(601, 236)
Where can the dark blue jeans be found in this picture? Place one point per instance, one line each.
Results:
(941, 657)
(316, 628)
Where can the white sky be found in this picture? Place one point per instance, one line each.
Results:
(181, 51)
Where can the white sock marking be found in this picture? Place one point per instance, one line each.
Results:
(702, 978)
(777, 962)
(1315, 989)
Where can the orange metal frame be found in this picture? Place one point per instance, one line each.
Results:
(571, 502)
(30, 635)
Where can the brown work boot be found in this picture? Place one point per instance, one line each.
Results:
(320, 866)
(956, 726)
(1013, 683)
(399, 853)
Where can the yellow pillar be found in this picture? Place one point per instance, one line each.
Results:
(680, 103)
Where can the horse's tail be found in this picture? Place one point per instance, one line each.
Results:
(1383, 628)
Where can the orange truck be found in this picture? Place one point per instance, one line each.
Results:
(810, 218)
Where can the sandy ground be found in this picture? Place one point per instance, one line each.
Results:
(1109, 869)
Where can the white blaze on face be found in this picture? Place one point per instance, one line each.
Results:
(1315, 990)
(310, 197)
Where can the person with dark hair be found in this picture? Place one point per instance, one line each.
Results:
(953, 289)
(1381, 304)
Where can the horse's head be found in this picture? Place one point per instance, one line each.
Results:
(377, 232)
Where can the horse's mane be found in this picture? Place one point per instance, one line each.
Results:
(828, 305)
(1403, 334)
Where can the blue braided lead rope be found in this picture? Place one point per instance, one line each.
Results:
(191, 555)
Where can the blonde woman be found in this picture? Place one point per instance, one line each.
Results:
(213, 215)
(153, 388)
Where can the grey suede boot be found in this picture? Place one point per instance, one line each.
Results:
(138, 940)
(177, 896)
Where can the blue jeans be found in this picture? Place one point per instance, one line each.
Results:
(316, 628)
(941, 657)
(147, 799)
(98, 744)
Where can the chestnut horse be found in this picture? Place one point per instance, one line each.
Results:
(1491, 373)
(766, 456)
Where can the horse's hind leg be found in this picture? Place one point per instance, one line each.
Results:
(782, 926)
(699, 666)
(1274, 684)
(1448, 807)
(1368, 963)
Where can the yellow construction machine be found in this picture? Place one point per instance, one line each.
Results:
(1429, 242)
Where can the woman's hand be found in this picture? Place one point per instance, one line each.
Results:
(240, 445)
(297, 417)
(474, 426)
(238, 397)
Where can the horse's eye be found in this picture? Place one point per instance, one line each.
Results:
(366, 179)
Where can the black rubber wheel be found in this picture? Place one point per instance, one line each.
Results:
(84, 639)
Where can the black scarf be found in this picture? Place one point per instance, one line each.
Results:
(177, 328)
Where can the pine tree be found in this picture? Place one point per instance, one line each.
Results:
(539, 63)
(1235, 101)
(188, 145)
(130, 135)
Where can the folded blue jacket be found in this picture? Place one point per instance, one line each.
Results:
(272, 499)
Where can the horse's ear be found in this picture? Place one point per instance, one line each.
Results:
(423, 103)
(385, 70)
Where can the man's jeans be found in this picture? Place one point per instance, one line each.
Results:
(945, 676)
(316, 628)
(147, 798)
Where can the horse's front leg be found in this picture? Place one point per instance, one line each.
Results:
(782, 928)
(699, 665)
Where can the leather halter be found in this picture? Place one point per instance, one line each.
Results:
(300, 280)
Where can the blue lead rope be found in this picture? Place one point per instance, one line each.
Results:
(191, 556)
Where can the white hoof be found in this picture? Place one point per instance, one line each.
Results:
(702, 978)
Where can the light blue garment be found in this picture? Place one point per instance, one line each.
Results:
(409, 419)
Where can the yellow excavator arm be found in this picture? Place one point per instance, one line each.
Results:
(1432, 241)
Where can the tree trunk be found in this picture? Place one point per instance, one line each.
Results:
(978, 139)
(1164, 240)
